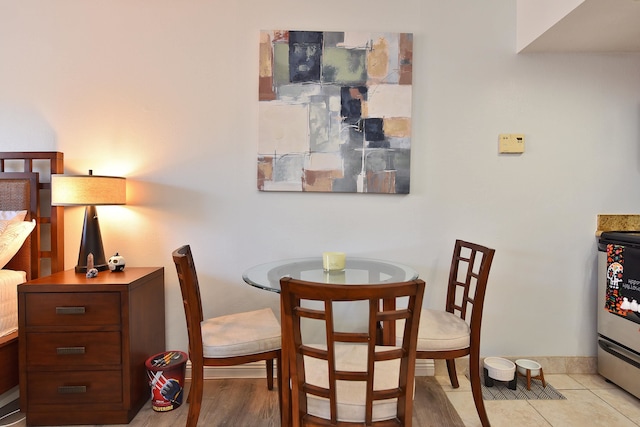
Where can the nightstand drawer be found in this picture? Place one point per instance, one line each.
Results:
(66, 349)
(73, 309)
(53, 388)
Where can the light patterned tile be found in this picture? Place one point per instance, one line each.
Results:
(563, 382)
(463, 403)
(593, 382)
(625, 403)
(506, 413)
(514, 413)
(582, 408)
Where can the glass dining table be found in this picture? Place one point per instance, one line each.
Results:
(357, 271)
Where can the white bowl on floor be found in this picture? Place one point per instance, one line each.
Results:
(533, 366)
(499, 368)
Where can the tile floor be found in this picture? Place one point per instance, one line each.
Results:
(591, 401)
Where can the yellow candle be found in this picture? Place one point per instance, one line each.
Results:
(333, 261)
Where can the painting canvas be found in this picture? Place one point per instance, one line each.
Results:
(335, 111)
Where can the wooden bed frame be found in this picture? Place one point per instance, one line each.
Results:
(25, 184)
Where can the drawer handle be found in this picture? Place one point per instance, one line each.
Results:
(72, 389)
(70, 350)
(70, 310)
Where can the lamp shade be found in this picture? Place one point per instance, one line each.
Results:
(88, 190)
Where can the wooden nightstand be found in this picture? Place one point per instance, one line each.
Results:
(83, 344)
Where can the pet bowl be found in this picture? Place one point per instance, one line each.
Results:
(499, 368)
(524, 364)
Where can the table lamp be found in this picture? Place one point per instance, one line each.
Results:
(89, 190)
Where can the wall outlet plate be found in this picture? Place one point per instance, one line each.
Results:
(511, 143)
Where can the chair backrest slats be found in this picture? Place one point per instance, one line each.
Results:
(295, 292)
(472, 263)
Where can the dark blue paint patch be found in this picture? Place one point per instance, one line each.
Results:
(350, 106)
(305, 56)
(373, 131)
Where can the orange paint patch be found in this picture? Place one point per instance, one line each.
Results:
(266, 56)
(397, 126)
(378, 61)
(381, 182)
(266, 91)
(406, 58)
(265, 171)
(320, 180)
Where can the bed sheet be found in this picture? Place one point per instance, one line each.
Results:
(9, 281)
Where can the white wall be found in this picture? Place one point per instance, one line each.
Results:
(160, 91)
(534, 17)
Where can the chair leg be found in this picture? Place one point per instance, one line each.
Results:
(476, 388)
(279, 374)
(453, 375)
(269, 363)
(195, 395)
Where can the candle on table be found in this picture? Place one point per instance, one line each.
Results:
(333, 261)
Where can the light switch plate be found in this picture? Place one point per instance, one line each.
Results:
(511, 143)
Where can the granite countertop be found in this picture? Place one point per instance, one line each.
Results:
(617, 222)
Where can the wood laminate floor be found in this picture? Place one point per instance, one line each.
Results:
(591, 401)
(247, 402)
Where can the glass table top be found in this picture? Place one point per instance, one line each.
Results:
(357, 271)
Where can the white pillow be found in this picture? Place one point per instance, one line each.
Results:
(12, 239)
(4, 223)
(14, 215)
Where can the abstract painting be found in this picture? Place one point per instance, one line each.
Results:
(335, 111)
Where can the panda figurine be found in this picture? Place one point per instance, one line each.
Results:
(116, 262)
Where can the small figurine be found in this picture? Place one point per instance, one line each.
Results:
(91, 271)
(116, 262)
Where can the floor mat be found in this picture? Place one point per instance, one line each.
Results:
(501, 391)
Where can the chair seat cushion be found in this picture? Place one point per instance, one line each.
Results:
(440, 330)
(351, 394)
(239, 334)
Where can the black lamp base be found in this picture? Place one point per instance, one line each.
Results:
(91, 243)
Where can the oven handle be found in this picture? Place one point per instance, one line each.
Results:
(610, 349)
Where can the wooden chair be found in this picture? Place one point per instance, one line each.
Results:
(228, 340)
(349, 380)
(455, 332)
